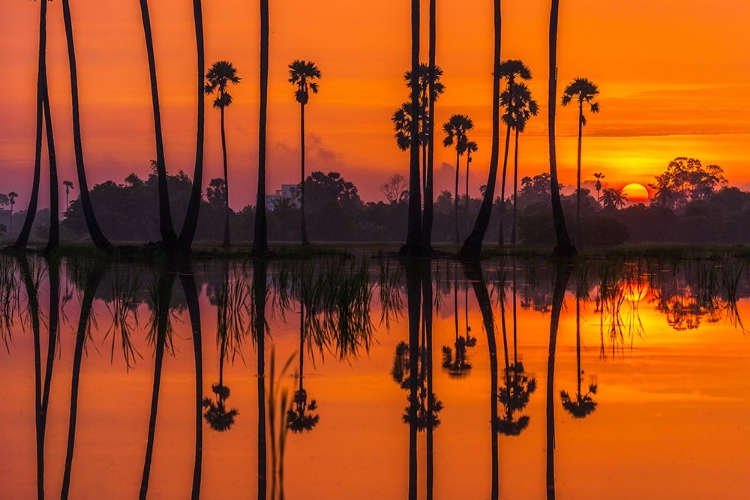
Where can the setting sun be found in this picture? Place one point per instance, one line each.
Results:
(635, 192)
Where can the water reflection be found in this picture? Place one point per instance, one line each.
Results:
(331, 330)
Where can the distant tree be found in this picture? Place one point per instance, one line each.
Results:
(68, 186)
(686, 180)
(613, 199)
(471, 147)
(302, 74)
(331, 187)
(218, 77)
(598, 185)
(394, 188)
(582, 90)
(455, 134)
(11, 201)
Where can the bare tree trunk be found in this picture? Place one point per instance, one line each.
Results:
(260, 234)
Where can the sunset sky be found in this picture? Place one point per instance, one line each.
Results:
(674, 78)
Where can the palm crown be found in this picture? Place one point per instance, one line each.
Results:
(583, 90)
(455, 131)
(514, 68)
(301, 74)
(221, 74)
(520, 106)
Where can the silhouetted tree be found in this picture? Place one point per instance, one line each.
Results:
(455, 134)
(394, 188)
(302, 74)
(11, 201)
(584, 404)
(414, 236)
(613, 199)
(598, 185)
(471, 147)
(686, 180)
(260, 238)
(582, 90)
(219, 76)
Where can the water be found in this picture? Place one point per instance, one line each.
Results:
(662, 410)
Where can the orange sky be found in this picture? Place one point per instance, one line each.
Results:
(674, 79)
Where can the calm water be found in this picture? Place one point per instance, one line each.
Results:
(431, 381)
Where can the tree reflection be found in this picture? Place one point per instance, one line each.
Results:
(259, 326)
(458, 365)
(301, 417)
(583, 404)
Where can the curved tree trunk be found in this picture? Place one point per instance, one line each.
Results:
(515, 191)
(455, 201)
(414, 224)
(226, 179)
(187, 234)
(260, 234)
(97, 237)
(468, 200)
(473, 244)
(303, 230)
(564, 247)
(53, 239)
(168, 236)
(41, 86)
(501, 237)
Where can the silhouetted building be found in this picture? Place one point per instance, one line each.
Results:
(287, 192)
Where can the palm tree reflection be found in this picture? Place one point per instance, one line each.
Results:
(583, 404)
(300, 416)
(458, 365)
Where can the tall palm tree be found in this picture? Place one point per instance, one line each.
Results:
(564, 246)
(260, 233)
(168, 235)
(521, 107)
(68, 186)
(193, 210)
(12, 201)
(302, 74)
(414, 236)
(510, 70)
(434, 88)
(218, 77)
(583, 90)
(455, 134)
(41, 85)
(53, 239)
(97, 237)
(598, 185)
(473, 244)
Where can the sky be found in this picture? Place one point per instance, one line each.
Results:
(674, 80)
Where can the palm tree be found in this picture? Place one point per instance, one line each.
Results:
(598, 185)
(583, 90)
(414, 236)
(434, 88)
(613, 199)
(191, 215)
(564, 246)
(473, 243)
(455, 134)
(260, 233)
(221, 74)
(68, 186)
(41, 85)
(97, 237)
(12, 200)
(169, 237)
(521, 106)
(471, 147)
(302, 74)
(53, 238)
(510, 69)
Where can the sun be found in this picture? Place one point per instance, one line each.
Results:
(635, 192)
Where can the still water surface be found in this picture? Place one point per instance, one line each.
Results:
(427, 381)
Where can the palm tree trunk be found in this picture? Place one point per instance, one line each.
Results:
(473, 244)
(303, 232)
(193, 305)
(413, 244)
(515, 190)
(187, 234)
(260, 233)
(169, 237)
(474, 276)
(564, 247)
(41, 85)
(578, 344)
(558, 295)
(428, 216)
(578, 178)
(226, 179)
(97, 237)
(259, 288)
(501, 236)
(53, 239)
(455, 201)
(413, 304)
(427, 321)
(468, 200)
(83, 320)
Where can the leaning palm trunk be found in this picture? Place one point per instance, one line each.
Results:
(473, 244)
(260, 236)
(515, 190)
(501, 237)
(578, 177)
(53, 239)
(226, 181)
(97, 237)
(303, 227)
(428, 215)
(564, 246)
(187, 234)
(41, 85)
(169, 237)
(414, 224)
(455, 201)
